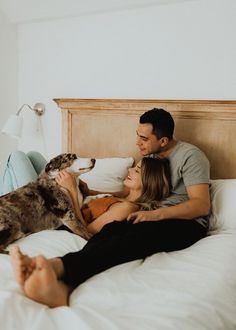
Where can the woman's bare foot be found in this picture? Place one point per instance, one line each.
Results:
(39, 279)
(44, 287)
(22, 265)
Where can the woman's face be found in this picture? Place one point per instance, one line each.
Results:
(134, 179)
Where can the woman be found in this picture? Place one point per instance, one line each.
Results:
(50, 281)
(148, 181)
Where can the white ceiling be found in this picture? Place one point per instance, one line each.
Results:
(19, 11)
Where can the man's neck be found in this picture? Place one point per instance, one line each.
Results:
(167, 150)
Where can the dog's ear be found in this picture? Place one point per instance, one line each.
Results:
(60, 162)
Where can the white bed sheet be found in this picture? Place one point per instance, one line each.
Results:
(190, 289)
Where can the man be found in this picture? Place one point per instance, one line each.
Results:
(189, 167)
(179, 222)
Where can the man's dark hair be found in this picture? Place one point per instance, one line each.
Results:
(161, 120)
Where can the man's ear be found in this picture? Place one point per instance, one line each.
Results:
(164, 141)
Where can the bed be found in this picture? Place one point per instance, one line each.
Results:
(193, 288)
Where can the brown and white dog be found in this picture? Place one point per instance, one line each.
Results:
(42, 204)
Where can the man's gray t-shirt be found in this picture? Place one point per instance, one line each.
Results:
(189, 166)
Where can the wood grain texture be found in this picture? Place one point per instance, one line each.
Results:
(107, 128)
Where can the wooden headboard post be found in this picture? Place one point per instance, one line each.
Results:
(106, 128)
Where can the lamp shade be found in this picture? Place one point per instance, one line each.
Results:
(13, 126)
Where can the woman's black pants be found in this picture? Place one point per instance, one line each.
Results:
(120, 242)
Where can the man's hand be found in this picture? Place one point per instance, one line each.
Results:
(140, 216)
(196, 206)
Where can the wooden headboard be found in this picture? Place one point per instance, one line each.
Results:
(107, 128)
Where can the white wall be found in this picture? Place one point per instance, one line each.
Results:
(8, 81)
(177, 51)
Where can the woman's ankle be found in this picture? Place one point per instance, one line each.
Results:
(58, 267)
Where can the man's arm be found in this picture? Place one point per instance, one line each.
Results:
(198, 205)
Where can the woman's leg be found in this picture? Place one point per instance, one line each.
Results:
(120, 242)
(116, 243)
(39, 278)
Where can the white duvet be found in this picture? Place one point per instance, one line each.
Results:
(190, 289)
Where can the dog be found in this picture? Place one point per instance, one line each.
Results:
(43, 204)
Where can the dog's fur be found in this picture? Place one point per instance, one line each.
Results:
(42, 204)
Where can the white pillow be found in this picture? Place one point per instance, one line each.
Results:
(223, 198)
(108, 174)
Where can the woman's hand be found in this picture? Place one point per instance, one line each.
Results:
(66, 180)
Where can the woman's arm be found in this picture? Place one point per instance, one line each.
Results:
(117, 212)
(68, 181)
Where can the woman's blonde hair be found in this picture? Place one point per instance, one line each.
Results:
(156, 180)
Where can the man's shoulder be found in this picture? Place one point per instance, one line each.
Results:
(189, 163)
(187, 146)
(187, 153)
(182, 150)
(183, 147)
